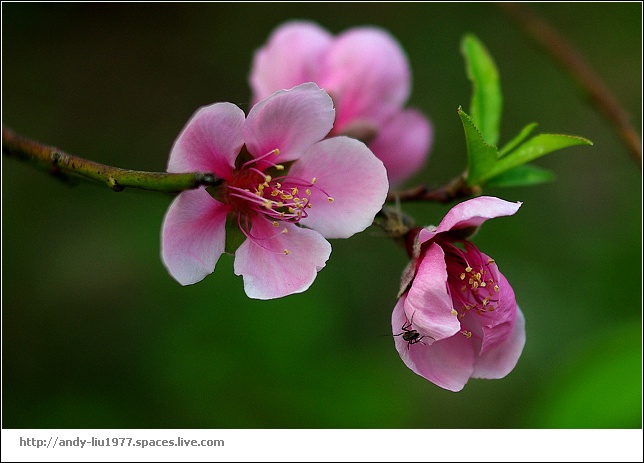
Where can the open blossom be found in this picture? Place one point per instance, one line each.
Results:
(366, 72)
(284, 188)
(457, 317)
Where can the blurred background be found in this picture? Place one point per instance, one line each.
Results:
(96, 334)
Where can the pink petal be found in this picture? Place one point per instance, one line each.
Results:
(270, 273)
(292, 56)
(497, 330)
(193, 235)
(471, 213)
(367, 74)
(210, 141)
(347, 171)
(499, 361)
(447, 363)
(402, 144)
(429, 305)
(289, 120)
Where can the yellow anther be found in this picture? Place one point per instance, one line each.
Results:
(496, 288)
(491, 261)
(309, 205)
(467, 334)
(462, 276)
(330, 199)
(284, 230)
(478, 276)
(454, 312)
(313, 180)
(268, 204)
(267, 178)
(468, 269)
(475, 285)
(308, 191)
(483, 284)
(276, 151)
(286, 252)
(291, 210)
(294, 191)
(486, 301)
(276, 223)
(275, 192)
(279, 167)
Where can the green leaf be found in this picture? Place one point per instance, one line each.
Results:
(481, 156)
(487, 100)
(534, 148)
(485, 162)
(522, 176)
(509, 146)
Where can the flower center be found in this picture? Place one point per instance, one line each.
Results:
(254, 192)
(472, 281)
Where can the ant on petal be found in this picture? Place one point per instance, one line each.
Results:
(409, 335)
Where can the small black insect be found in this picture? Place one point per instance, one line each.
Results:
(409, 335)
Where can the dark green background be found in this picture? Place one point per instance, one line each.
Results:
(97, 334)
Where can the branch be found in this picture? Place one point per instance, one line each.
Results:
(570, 58)
(455, 189)
(66, 166)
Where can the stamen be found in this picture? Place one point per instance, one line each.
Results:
(261, 158)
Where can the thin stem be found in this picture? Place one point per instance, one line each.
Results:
(66, 166)
(570, 58)
(455, 189)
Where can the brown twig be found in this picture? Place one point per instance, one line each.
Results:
(66, 166)
(570, 58)
(455, 189)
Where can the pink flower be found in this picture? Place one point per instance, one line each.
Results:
(458, 318)
(284, 190)
(367, 74)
